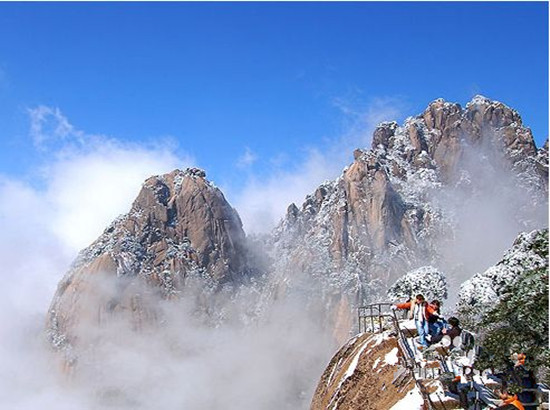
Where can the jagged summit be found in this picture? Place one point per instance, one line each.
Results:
(180, 207)
(477, 101)
(444, 120)
(481, 100)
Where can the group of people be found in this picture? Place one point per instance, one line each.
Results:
(430, 325)
(432, 328)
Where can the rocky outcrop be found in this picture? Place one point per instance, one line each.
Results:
(180, 228)
(395, 207)
(360, 375)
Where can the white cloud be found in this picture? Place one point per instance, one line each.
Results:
(82, 189)
(247, 159)
(88, 188)
(48, 125)
(91, 179)
(88, 181)
(263, 201)
(85, 184)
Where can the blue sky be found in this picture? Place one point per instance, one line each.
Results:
(253, 91)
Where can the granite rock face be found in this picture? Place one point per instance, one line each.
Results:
(180, 228)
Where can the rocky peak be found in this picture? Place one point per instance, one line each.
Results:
(440, 114)
(179, 228)
(383, 133)
(185, 207)
(379, 218)
(491, 112)
(444, 132)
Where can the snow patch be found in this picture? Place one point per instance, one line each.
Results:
(353, 364)
(412, 401)
(391, 357)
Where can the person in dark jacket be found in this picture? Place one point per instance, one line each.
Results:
(453, 330)
(436, 323)
(525, 378)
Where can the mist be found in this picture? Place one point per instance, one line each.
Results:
(183, 362)
(244, 348)
(240, 351)
(486, 206)
(262, 201)
(232, 350)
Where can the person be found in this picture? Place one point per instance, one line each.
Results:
(510, 402)
(452, 330)
(525, 379)
(435, 320)
(420, 313)
(519, 359)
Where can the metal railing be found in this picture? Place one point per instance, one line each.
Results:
(541, 395)
(378, 315)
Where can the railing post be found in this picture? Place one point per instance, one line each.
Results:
(380, 318)
(371, 318)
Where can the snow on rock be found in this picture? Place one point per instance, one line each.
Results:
(165, 245)
(398, 205)
(351, 382)
(391, 358)
(412, 401)
(353, 365)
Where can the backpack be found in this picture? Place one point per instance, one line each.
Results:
(467, 340)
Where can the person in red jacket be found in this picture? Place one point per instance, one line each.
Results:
(420, 312)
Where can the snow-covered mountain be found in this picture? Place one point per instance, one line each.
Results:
(450, 187)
